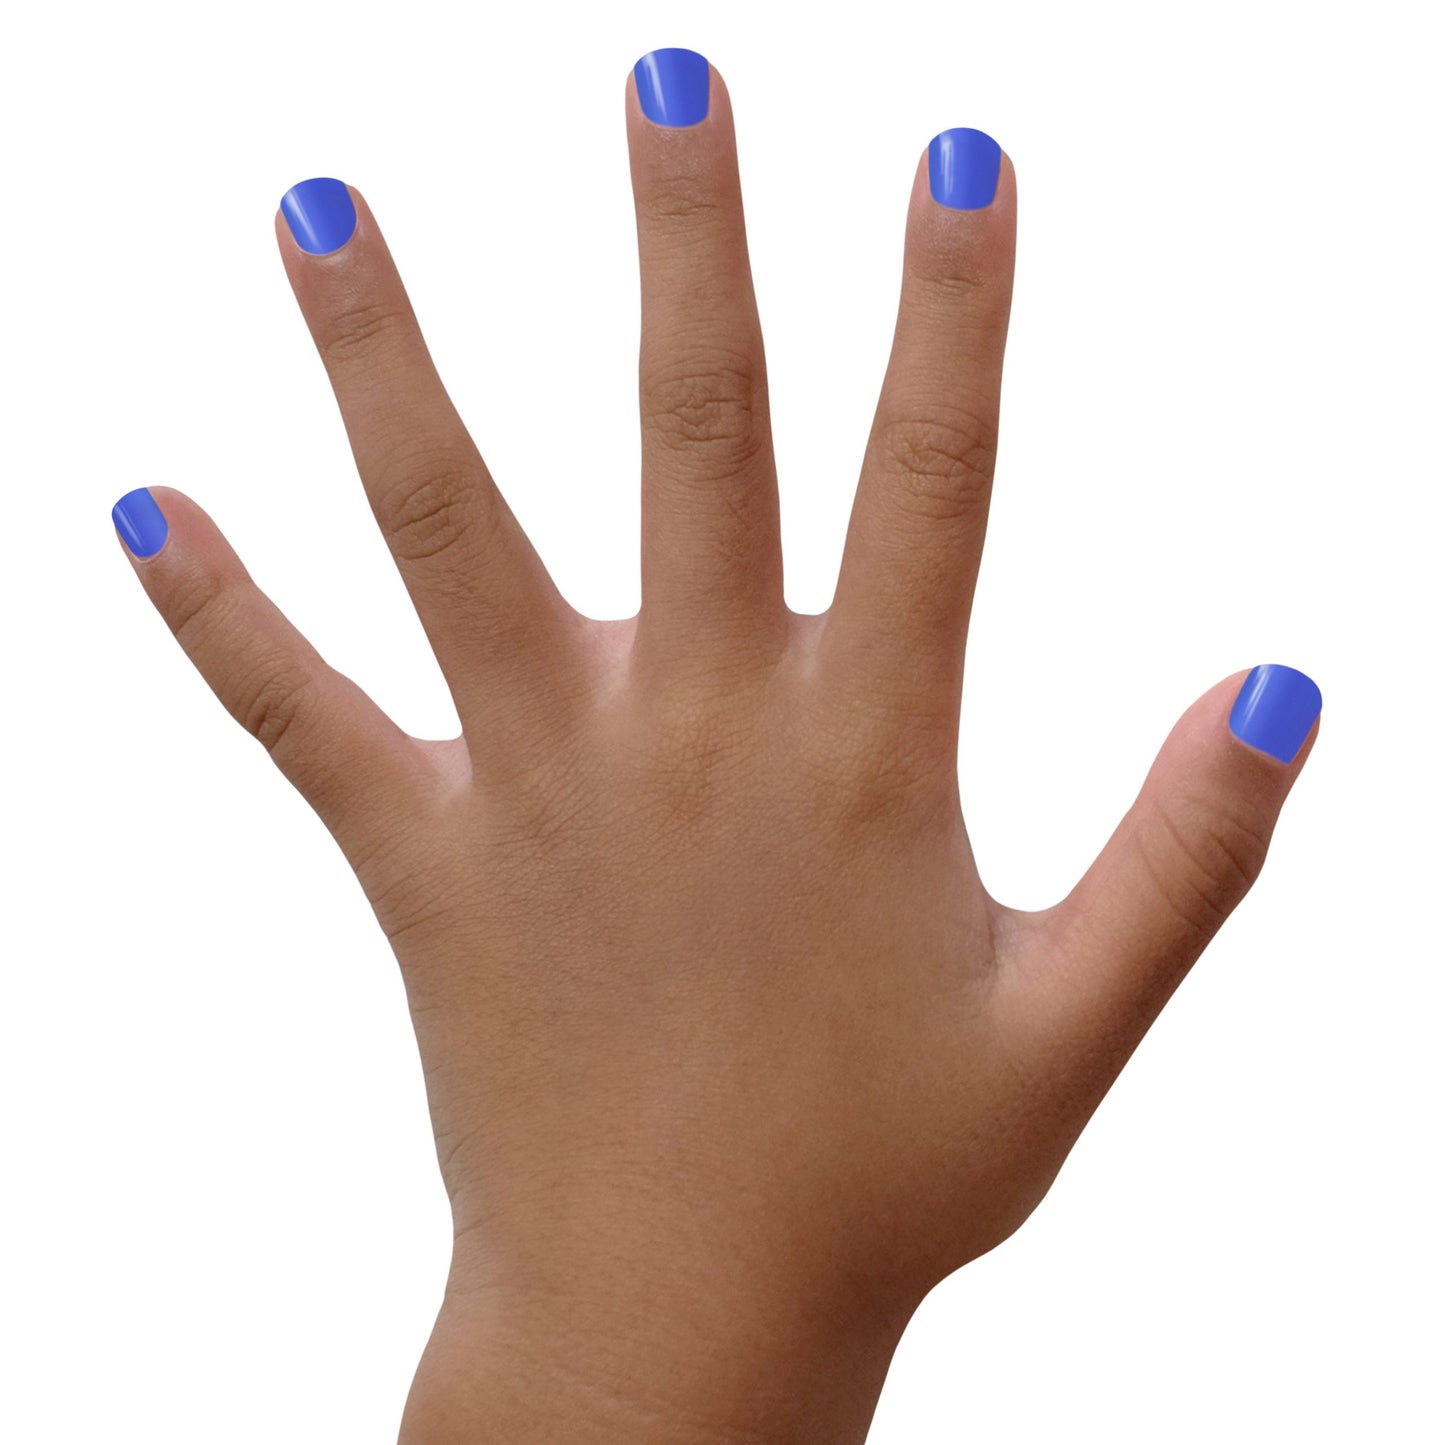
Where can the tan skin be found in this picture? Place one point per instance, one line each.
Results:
(730, 1056)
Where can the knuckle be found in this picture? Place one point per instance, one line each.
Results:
(195, 606)
(890, 800)
(691, 749)
(687, 758)
(1240, 845)
(357, 331)
(944, 460)
(434, 507)
(958, 283)
(686, 198)
(270, 705)
(1212, 857)
(708, 401)
(871, 767)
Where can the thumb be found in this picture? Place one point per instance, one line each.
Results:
(1098, 968)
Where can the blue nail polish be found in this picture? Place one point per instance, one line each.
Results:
(963, 168)
(320, 214)
(1275, 710)
(672, 86)
(141, 524)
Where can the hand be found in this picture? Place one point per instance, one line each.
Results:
(730, 1056)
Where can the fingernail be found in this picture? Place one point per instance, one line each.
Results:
(141, 524)
(1275, 710)
(672, 86)
(963, 168)
(320, 214)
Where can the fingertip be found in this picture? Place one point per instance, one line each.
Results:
(140, 523)
(320, 215)
(674, 87)
(1007, 181)
(962, 214)
(1276, 711)
(963, 168)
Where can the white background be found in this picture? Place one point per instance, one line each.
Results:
(222, 1215)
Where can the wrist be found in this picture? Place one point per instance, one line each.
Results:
(676, 1354)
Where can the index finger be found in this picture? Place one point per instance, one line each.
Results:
(899, 620)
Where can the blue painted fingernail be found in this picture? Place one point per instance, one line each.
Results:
(1275, 710)
(963, 168)
(141, 524)
(672, 86)
(320, 214)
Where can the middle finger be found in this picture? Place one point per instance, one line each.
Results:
(712, 567)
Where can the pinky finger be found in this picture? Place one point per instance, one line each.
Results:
(351, 763)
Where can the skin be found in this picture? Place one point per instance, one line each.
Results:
(730, 1056)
